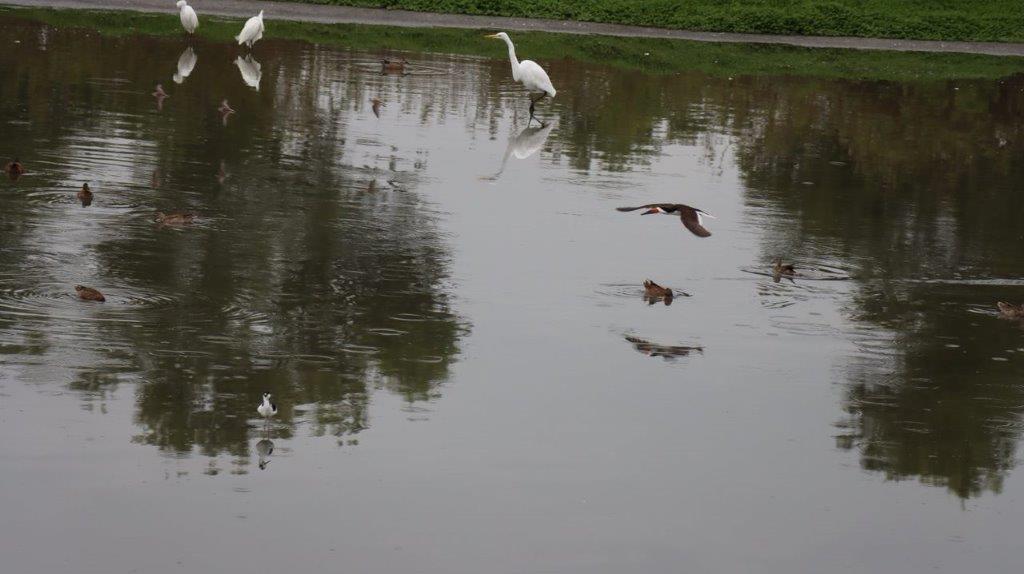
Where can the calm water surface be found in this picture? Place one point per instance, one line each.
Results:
(447, 309)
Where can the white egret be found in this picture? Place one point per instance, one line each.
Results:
(252, 31)
(251, 71)
(186, 63)
(528, 73)
(266, 409)
(189, 20)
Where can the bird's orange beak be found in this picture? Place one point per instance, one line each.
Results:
(651, 210)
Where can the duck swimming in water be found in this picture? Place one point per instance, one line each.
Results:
(654, 293)
(1011, 311)
(175, 218)
(89, 294)
(691, 217)
(14, 169)
(393, 66)
(85, 195)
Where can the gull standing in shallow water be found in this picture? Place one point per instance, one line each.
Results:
(252, 31)
(189, 20)
(266, 409)
(691, 217)
(528, 73)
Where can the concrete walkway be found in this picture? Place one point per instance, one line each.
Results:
(346, 15)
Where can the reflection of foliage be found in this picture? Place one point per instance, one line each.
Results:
(907, 182)
(299, 279)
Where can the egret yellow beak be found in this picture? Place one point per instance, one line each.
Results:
(491, 36)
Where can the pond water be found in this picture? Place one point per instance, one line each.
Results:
(448, 311)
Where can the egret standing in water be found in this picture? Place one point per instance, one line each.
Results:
(267, 409)
(252, 31)
(189, 20)
(528, 73)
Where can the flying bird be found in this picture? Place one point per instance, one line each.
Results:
(691, 217)
(189, 20)
(528, 73)
(160, 96)
(376, 106)
(225, 111)
(252, 31)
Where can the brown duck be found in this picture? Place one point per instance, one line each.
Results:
(691, 217)
(175, 218)
(780, 268)
(392, 66)
(1011, 311)
(654, 292)
(89, 294)
(85, 195)
(14, 169)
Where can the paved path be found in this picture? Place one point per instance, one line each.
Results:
(342, 14)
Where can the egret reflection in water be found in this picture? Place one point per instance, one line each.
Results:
(524, 144)
(251, 71)
(186, 63)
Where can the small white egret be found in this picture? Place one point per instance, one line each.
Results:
(528, 73)
(252, 31)
(189, 20)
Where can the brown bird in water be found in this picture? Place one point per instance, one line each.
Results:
(85, 195)
(780, 268)
(1011, 311)
(393, 66)
(654, 292)
(14, 169)
(691, 217)
(89, 294)
(376, 106)
(175, 218)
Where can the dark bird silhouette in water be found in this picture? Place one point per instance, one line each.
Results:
(393, 66)
(376, 106)
(667, 352)
(225, 111)
(85, 195)
(14, 169)
(654, 293)
(160, 96)
(780, 270)
(1010, 311)
(89, 294)
(691, 217)
(175, 218)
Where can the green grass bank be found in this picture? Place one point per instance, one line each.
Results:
(656, 56)
(970, 20)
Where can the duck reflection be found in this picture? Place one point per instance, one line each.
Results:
(667, 352)
(525, 144)
(264, 448)
(186, 63)
(251, 71)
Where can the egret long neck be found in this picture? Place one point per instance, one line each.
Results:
(512, 58)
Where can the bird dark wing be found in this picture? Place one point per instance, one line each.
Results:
(691, 220)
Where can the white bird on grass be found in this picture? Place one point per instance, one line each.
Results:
(528, 73)
(252, 31)
(189, 20)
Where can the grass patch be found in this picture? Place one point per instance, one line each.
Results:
(655, 56)
(978, 20)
